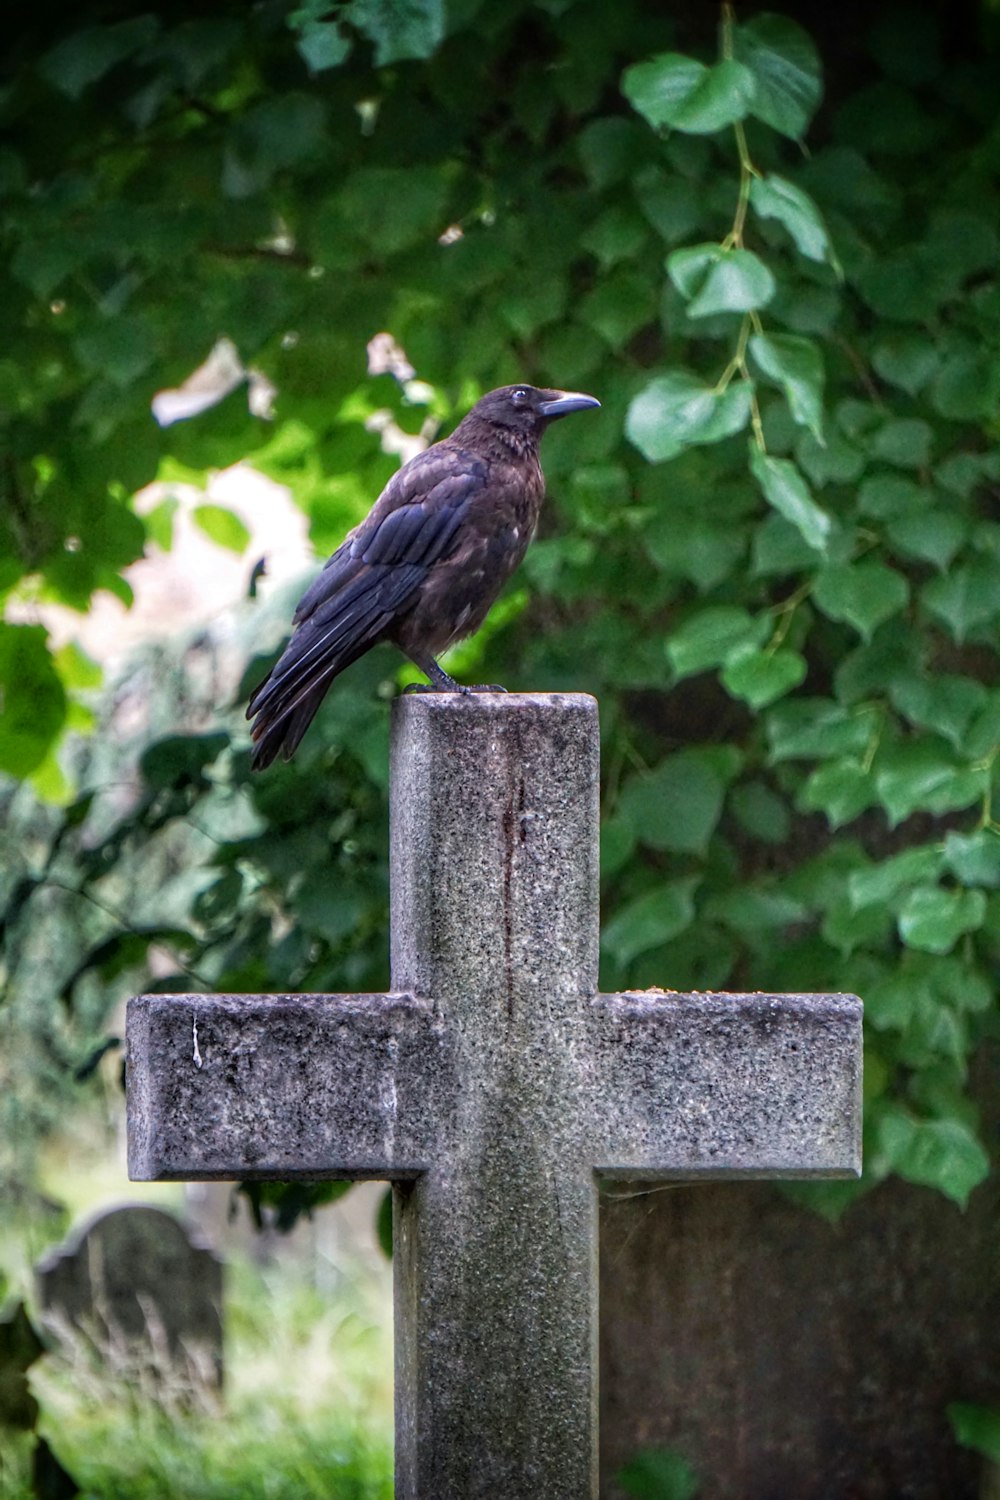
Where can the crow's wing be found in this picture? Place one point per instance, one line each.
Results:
(371, 579)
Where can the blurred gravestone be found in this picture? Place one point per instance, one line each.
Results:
(134, 1287)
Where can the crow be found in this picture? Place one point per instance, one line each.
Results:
(425, 565)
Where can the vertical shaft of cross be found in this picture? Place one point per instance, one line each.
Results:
(494, 842)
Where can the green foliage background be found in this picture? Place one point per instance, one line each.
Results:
(774, 554)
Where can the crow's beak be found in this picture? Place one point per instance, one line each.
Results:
(564, 402)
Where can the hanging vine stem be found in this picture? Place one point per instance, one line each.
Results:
(734, 241)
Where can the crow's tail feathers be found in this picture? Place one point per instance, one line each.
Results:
(278, 732)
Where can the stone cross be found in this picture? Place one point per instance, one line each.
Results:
(494, 1085)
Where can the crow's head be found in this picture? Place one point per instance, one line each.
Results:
(527, 410)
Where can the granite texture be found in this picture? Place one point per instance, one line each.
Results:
(492, 1087)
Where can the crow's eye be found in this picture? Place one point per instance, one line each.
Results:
(520, 396)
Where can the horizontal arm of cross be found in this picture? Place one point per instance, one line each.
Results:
(283, 1086)
(735, 1085)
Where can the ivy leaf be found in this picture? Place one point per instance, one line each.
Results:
(739, 281)
(796, 365)
(320, 41)
(221, 526)
(904, 441)
(785, 489)
(774, 197)
(816, 728)
(678, 410)
(946, 703)
(842, 790)
(933, 536)
(907, 360)
(651, 919)
(879, 884)
(675, 806)
(688, 267)
(863, 593)
(759, 677)
(786, 72)
(400, 29)
(686, 95)
(943, 1154)
(973, 858)
(32, 699)
(924, 777)
(710, 637)
(965, 597)
(87, 55)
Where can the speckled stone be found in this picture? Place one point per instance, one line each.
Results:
(493, 1086)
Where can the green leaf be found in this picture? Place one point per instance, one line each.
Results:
(879, 884)
(658, 1474)
(759, 677)
(973, 858)
(785, 489)
(675, 806)
(921, 777)
(786, 72)
(946, 704)
(617, 234)
(817, 728)
(842, 790)
(617, 307)
(738, 281)
(933, 536)
(392, 208)
(976, 1427)
(774, 197)
(617, 845)
(907, 360)
(983, 734)
(159, 523)
(966, 597)
(710, 637)
(796, 365)
(32, 699)
(221, 526)
(651, 920)
(943, 1154)
(696, 547)
(321, 43)
(118, 348)
(888, 496)
(904, 441)
(686, 95)
(762, 812)
(965, 387)
(87, 55)
(863, 593)
(688, 267)
(180, 759)
(400, 29)
(331, 913)
(678, 410)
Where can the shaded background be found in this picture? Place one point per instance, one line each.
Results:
(774, 556)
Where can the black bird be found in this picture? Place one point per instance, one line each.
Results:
(424, 566)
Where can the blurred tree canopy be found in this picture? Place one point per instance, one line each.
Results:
(769, 241)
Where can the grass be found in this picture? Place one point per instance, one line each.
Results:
(306, 1411)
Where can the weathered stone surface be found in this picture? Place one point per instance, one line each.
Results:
(492, 1086)
(141, 1291)
(786, 1356)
